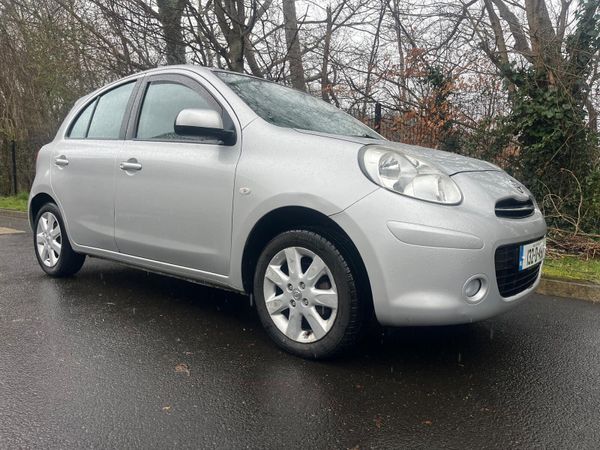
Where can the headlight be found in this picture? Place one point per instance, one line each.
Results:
(407, 175)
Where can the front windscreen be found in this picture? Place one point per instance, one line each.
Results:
(290, 108)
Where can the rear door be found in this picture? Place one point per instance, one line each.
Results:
(83, 168)
(174, 204)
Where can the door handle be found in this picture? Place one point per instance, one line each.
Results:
(61, 161)
(131, 164)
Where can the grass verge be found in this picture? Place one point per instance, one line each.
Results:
(16, 202)
(572, 268)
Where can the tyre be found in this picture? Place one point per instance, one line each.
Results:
(52, 247)
(306, 295)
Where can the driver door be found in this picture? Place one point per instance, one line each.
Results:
(173, 200)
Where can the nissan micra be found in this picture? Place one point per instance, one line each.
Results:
(241, 183)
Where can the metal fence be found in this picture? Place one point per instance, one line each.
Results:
(398, 127)
(17, 166)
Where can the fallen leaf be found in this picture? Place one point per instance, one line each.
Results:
(427, 422)
(182, 368)
(166, 408)
(378, 421)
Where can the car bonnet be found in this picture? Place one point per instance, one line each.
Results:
(447, 162)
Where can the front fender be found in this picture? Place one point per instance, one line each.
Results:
(281, 167)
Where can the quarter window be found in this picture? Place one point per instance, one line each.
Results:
(162, 102)
(80, 127)
(108, 116)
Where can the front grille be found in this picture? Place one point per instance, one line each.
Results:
(510, 280)
(513, 208)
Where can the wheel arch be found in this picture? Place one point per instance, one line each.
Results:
(36, 204)
(299, 217)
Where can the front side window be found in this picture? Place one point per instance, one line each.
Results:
(289, 108)
(163, 101)
(108, 116)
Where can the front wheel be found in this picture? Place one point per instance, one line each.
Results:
(52, 247)
(306, 295)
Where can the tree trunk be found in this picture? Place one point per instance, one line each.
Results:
(401, 63)
(294, 53)
(325, 84)
(236, 55)
(545, 49)
(170, 13)
(372, 58)
(251, 58)
(592, 115)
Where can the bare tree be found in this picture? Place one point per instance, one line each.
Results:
(435, 66)
(236, 22)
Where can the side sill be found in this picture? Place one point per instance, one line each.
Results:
(185, 273)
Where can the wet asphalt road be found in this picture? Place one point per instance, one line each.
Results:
(121, 358)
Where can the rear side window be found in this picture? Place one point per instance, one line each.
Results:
(80, 127)
(109, 112)
(163, 101)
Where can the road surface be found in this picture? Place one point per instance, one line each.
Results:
(117, 357)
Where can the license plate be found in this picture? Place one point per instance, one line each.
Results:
(532, 254)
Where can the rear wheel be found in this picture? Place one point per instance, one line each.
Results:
(306, 295)
(52, 247)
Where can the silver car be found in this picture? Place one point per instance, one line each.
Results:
(241, 183)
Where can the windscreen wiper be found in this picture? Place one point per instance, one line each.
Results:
(363, 136)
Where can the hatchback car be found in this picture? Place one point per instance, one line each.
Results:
(241, 183)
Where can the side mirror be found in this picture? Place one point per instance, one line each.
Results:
(203, 122)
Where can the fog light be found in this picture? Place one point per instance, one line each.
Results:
(475, 288)
(472, 287)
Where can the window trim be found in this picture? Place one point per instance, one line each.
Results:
(96, 99)
(186, 81)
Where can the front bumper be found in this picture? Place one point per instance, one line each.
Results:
(419, 255)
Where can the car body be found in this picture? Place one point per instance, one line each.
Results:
(204, 210)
